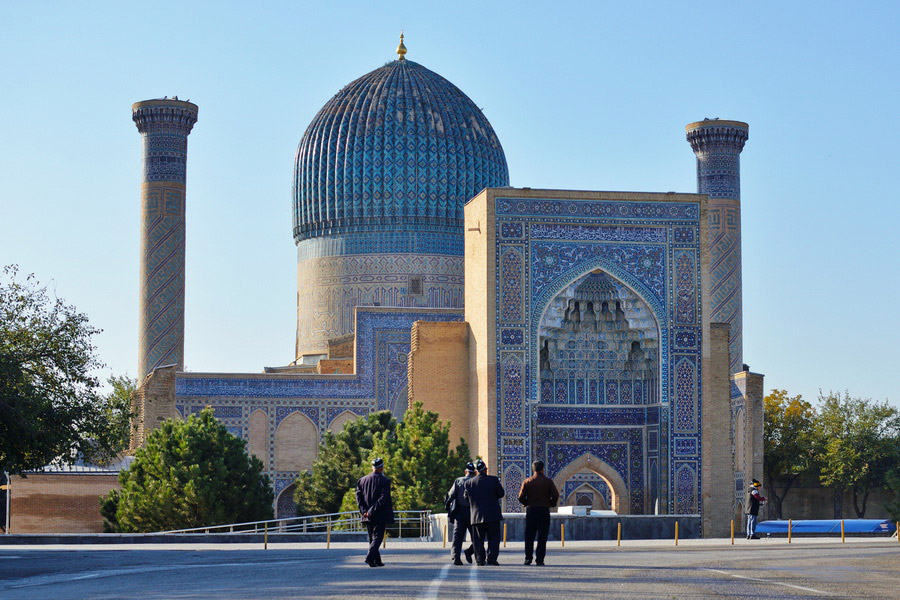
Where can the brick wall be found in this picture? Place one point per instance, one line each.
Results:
(717, 466)
(59, 502)
(438, 373)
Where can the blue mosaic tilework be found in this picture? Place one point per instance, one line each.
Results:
(552, 415)
(686, 489)
(512, 337)
(685, 447)
(511, 230)
(283, 412)
(620, 448)
(384, 242)
(165, 127)
(399, 147)
(637, 245)
(668, 211)
(220, 412)
(598, 233)
(513, 476)
(591, 480)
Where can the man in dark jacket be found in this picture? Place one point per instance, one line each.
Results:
(484, 492)
(460, 516)
(538, 494)
(754, 499)
(373, 495)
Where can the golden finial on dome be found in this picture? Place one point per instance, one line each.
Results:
(401, 49)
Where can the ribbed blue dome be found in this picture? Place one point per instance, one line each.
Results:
(400, 148)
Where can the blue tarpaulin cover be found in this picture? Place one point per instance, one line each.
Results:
(828, 526)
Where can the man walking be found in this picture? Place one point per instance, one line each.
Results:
(373, 495)
(538, 494)
(754, 499)
(484, 492)
(460, 516)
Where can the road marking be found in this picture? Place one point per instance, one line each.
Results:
(796, 587)
(475, 592)
(433, 588)
(67, 577)
(10, 557)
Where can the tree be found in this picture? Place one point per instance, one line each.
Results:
(117, 411)
(337, 465)
(49, 404)
(418, 460)
(892, 483)
(421, 462)
(189, 473)
(788, 443)
(857, 441)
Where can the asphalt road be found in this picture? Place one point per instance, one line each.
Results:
(703, 569)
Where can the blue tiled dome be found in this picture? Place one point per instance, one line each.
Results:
(399, 149)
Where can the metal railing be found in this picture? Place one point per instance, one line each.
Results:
(408, 523)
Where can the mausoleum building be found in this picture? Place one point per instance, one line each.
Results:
(597, 331)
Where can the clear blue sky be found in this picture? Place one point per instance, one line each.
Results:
(583, 95)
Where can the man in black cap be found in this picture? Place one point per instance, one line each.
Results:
(754, 499)
(460, 516)
(484, 492)
(373, 495)
(538, 495)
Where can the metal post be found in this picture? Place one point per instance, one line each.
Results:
(328, 536)
(400, 531)
(504, 535)
(562, 529)
(842, 531)
(732, 532)
(790, 526)
(444, 536)
(676, 533)
(266, 537)
(619, 534)
(8, 494)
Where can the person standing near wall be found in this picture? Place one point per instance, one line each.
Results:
(373, 495)
(538, 494)
(460, 515)
(484, 492)
(754, 500)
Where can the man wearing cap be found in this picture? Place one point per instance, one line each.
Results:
(754, 499)
(538, 494)
(484, 492)
(460, 516)
(373, 495)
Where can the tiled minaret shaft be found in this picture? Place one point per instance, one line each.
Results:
(164, 125)
(717, 145)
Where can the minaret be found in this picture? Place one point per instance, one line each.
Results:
(718, 146)
(164, 125)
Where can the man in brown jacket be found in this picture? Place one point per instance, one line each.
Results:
(539, 495)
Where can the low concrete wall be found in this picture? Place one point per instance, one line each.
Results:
(634, 527)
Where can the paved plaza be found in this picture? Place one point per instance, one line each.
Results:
(860, 568)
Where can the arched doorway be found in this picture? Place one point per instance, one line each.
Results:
(285, 507)
(599, 344)
(588, 463)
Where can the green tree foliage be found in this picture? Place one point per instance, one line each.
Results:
(189, 473)
(857, 444)
(339, 464)
(50, 407)
(117, 412)
(419, 461)
(892, 483)
(789, 443)
(417, 456)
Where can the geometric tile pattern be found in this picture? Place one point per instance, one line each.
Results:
(718, 146)
(645, 257)
(400, 147)
(164, 126)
